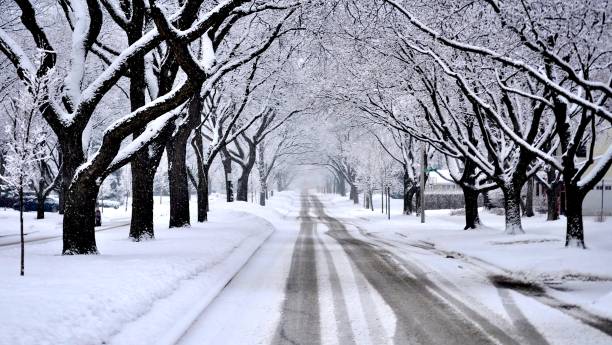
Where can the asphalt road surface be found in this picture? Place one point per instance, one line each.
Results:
(315, 282)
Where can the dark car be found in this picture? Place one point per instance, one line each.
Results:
(7, 199)
(51, 205)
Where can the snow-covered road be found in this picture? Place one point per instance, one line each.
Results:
(324, 280)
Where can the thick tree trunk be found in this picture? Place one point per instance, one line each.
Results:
(141, 225)
(528, 211)
(178, 185)
(552, 203)
(262, 198)
(144, 164)
(472, 220)
(574, 236)
(71, 156)
(79, 218)
(408, 199)
(242, 192)
(40, 209)
(366, 198)
(512, 207)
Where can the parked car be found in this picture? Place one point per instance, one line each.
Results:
(109, 203)
(7, 199)
(31, 204)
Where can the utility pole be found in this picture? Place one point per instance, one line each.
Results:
(423, 172)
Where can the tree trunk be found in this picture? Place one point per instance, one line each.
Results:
(417, 201)
(21, 234)
(486, 201)
(552, 202)
(528, 211)
(512, 207)
(40, 198)
(227, 169)
(179, 189)
(141, 225)
(574, 236)
(366, 200)
(79, 217)
(143, 166)
(472, 220)
(242, 192)
(262, 198)
(203, 202)
(340, 187)
(408, 199)
(407, 193)
(71, 156)
(354, 194)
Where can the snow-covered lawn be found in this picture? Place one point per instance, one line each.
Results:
(574, 276)
(132, 292)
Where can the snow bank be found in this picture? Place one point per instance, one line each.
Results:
(574, 276)
(133, 293)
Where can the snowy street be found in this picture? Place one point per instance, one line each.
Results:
(341, 286)
(308, 268)
(296, 172)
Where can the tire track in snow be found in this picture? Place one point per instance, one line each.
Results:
(422, 317)
(343, 330)
(300, 320)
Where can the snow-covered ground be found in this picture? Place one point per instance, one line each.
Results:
(132, 293)
(154, 291)
(574, 276)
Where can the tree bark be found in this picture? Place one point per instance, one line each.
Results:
(528, 211)
(71, 154)
(512, 207)
(552, 202)
(573, 212)
(242, 192)
(354, 194)
(472, 219)
(408, 193)
(227, 169)
(486, 201)
(143, 165)
(202, 189)
(79, 217)
(40, 198)
(179, 189)
(141, 225)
